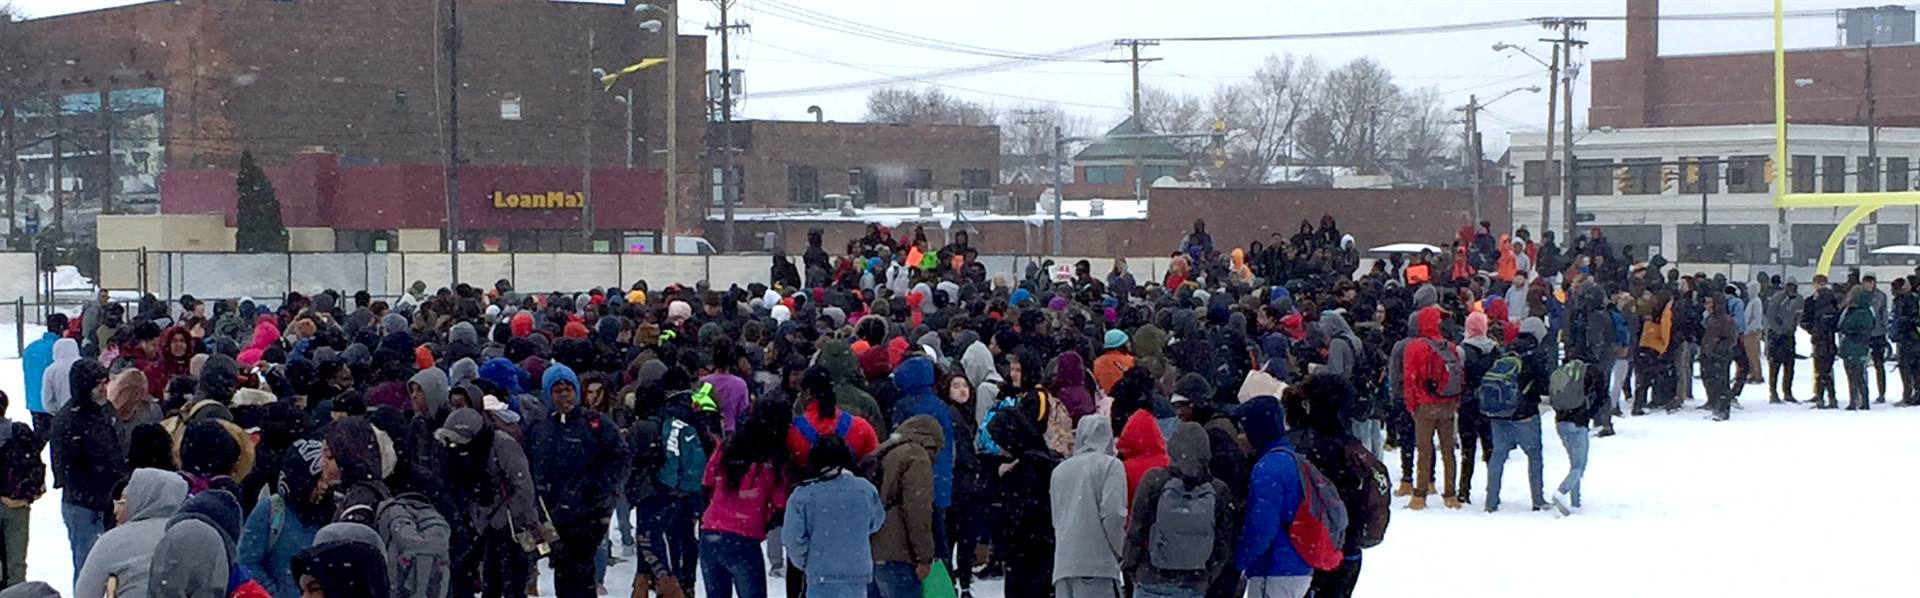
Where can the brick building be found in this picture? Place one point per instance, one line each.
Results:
(365, 80)
(794, 164)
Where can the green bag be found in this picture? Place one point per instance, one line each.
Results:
(938, 584)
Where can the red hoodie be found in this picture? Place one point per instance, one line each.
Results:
(1141, 448)
(1425, 371)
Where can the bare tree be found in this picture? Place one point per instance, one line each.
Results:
(1265, 112)
(926, 107)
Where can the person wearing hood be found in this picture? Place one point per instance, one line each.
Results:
(1069, 386)
(87, 458)
(578, 460)
(487, 472)
(1434, 401)
(55, 387)
(284, 522)
(1478, 351)
(196, 556)
(977, 362)
(1088, 492)
(1176, 560)
(341, 568)
(1264, 553)
(35, 363)
(1522, 429)
(132, 406)
(848, 386)
(906, 545)
(352, 468)
(1026, 542)
(124, 554)
(1141, 448)
(1343, 346)
(1856, 346)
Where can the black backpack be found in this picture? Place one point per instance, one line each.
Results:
(649, 454)
(1372, 509)
(23, 476)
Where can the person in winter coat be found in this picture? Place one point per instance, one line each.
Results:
(1114, 360)
(849, 388)
(1027, 539)
(35, 361)
(1326, 443)
(87, 458)
(487, 472)
(1141, 447)
(1903, 329)
(578, 458)
(831, 518)
(195, 557)
(905, 547)
(121, 559)
(341, 568)
(1783, 309)
(1069, 386)
(914, 380)
(1856, 343)
(1089, 497)
(748, 480)
(824, 417)
(284, 522)
(1264, 553)
(1522, 429)
(1821, 319)
(55, 389)
(352, 467)
(1434, 411)
(1161, 560)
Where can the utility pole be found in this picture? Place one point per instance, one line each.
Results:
(1473, 148)
(629, 102)
(1565, 44)
(108, 180)
(59, 180)
(1140, 126)
(1059, 195)
(673, 125)
(1546, 165)
(586, 151)
(728, 196)
(1873, 125)
(453, 137)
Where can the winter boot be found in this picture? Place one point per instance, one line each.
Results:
(1405, 489)
(1452, 502)
(669, 587)
(1419, 503)
(1605, 431)
(642, 586)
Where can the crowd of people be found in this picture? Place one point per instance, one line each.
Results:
(895, 423)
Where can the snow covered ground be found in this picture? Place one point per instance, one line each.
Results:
(1781, 501)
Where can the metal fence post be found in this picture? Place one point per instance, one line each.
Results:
(19, 326)
(141, 279)
(289, 273)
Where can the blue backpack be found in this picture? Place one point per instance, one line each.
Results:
(1499, 392)
(983, 442)
(840, 427)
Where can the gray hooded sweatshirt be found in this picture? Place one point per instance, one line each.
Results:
(55, 390)
(1342, 345)
(125, 552)
(1089, 492)
(977, 362)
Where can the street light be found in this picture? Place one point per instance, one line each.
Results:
(1503, 46)
(671, 23)
(628, 101)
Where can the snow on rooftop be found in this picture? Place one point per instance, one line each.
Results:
(1077, 210)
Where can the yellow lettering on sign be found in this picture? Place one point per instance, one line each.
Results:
(550, 200)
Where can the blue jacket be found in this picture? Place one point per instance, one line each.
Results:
(34, 362)
(914, 379)
(579, 460)
(1273, 496)
(834, 519)
(272, 566)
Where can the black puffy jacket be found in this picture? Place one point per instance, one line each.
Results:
(87, 457)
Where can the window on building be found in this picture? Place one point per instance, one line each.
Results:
(739, 184)
(1747, 174)
(1106, 175)
(1594, 177)
(1700, 175)
(1153, 173)
(1643, 176)
(1885, 235)
(803, 185)
(1898, 177)
(1540, 177)
(510, 107)
(1833, 174)
(363, 241)
(1725, 243)
(976, 178)
(921, 179)
(1867, 175)
(1804, 172)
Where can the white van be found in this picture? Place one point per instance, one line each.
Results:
(682, 245)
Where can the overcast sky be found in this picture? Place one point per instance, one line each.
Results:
(781, 53)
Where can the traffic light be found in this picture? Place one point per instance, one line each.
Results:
(1621, 179)
(1668, 175)
(1693, 172)
(1219, 143)
(1767, 173)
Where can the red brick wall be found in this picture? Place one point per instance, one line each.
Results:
(1735, 89)
(891, 152)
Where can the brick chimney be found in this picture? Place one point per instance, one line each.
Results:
(1642, 63)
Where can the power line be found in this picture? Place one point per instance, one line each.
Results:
(891, 79)
(782, 10)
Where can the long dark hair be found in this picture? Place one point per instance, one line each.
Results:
(828, 455)
(817, 382)
(761, 440)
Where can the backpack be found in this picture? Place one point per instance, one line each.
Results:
(1375, 495)
(416, 538)
(1182, 524)
(1456, 371)
(1499, 390)
(983, 442)
(23, 476)
(840, 427)
(1320, 523)
(684, 465)
(1568, 389)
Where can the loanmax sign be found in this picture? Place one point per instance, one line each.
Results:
(551, 200)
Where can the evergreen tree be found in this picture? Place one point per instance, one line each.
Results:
(258, 217)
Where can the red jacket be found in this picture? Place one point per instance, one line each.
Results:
(1423, 368)
(1141, 448)
(860, 436)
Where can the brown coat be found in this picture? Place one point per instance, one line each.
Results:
(906, 490)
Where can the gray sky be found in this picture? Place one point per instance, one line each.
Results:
(781, 53)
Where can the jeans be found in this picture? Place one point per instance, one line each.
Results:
(650, 547)
(1683, 358)
(836, 590)
(1856, 381)
(623, 518)
(84, 527)
(1432, 419)
(895, 579)
(1165, 591)
(1508, 434)
(1085, 587)
(13, 539)
(731, 565)
(1368, 432)
(1574, 438)
(1615, 371)
(776, 552)
(1279, 587)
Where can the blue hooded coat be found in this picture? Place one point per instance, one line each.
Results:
(578, 458)
(1273, 495)
(914, 379)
